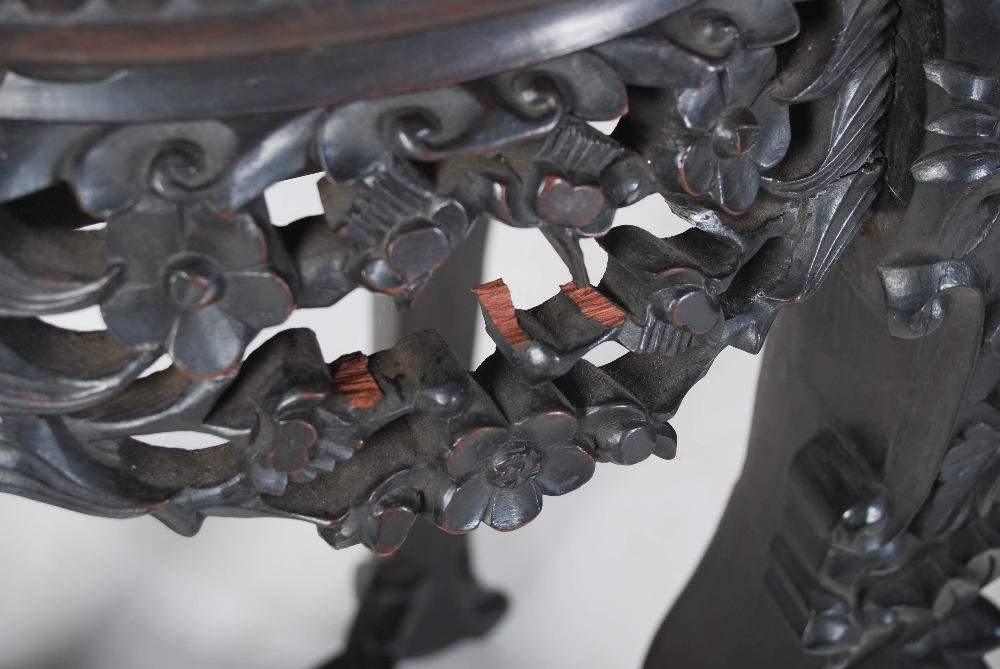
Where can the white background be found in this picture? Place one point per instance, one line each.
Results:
(589, 580)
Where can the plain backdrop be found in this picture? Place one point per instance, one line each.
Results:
(590, 579)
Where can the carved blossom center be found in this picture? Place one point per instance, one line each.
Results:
(515, 467)
(194, 281)
(736, 132)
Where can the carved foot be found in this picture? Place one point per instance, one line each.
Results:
(419, 600)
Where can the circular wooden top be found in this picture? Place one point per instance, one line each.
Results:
(77, 66)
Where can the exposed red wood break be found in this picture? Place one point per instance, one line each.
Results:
(496, 301)
(594, 305)
(355, 381)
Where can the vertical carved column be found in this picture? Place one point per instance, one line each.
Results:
(864, 526)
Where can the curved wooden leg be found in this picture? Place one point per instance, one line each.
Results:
(864, 524)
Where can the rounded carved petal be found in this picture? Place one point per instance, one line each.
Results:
(513, 508)
(701, 107)
(258, 299)
(564, 470)
(266, 479)
(547, 429)
(698, 166)
(390, 529)
(775, 131)
(474, 448)
(763, 23)
(746, 75)
(291, 454)
(140, 317)
(467, 506)
(206, 343)
(737, 184)
(237, 243)
(143, 238)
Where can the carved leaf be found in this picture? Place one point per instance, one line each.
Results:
(281, 154)
(965, 121)
(25, 295)
(47, 267)
(846, 128)
(964, 163)
(40, 372)
(32, 153)
(968, 480)
(830, 50)
(965, 82)
(41, 460)
(826, 223)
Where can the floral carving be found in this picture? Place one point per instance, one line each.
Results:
(383, 519)
(503, 473)
(189, 266)
(195, 283)
(297, 442)
(401, 229)
(737, 130)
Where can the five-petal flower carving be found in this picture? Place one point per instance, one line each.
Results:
(736, 130)
(298, 442)
(196, 283)
(502, 473)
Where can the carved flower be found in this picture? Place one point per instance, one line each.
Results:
(737, 131)
(194, 282)
(502, 474)
(298, 443)
(382, 521)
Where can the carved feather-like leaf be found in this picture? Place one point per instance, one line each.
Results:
(41, 460)
(47, 267)
(967, 481)
(965, 120)
(24, 295)
(161, 402)
(828, 221)
(959, 164)
(280, 155)
(965, 82)
(44, 369)
(828, 53)
(846, 129)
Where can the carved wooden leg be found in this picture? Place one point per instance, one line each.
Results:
(864, 525)
(423, 597)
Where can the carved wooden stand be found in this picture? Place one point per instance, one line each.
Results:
(863, 527)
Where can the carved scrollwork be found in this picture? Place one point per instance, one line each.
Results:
(189, 265)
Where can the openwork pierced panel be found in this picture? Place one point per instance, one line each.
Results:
(759, 129)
